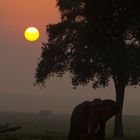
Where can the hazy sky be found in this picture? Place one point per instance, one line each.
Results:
(18, 59)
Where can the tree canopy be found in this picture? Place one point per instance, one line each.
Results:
(95, 40)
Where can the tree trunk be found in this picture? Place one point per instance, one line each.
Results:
(120, 89)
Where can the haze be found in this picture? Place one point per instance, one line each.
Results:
(18, 60)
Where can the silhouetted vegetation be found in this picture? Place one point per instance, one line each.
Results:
(95, 41)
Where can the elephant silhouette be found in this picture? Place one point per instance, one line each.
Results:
(88, 119)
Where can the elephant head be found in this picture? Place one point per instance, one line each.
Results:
(100, 112)
(108, 108)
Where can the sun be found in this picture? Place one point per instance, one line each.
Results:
(31, 34)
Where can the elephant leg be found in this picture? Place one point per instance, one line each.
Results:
(72, 133)
(101, 133)
(79, 133)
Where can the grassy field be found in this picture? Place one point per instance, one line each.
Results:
(55, 127)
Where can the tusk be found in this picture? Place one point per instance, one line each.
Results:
(89, 129)
(97, 129)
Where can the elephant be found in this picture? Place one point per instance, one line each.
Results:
(89, 118)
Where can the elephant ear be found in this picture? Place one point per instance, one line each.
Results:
(94, 116)
(94, 122)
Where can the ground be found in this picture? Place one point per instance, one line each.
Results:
(55, 127)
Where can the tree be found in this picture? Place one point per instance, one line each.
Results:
(95, 41)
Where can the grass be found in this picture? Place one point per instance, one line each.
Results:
(55, 127)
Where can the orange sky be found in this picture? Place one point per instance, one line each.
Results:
(18, 59)
(16, 15)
